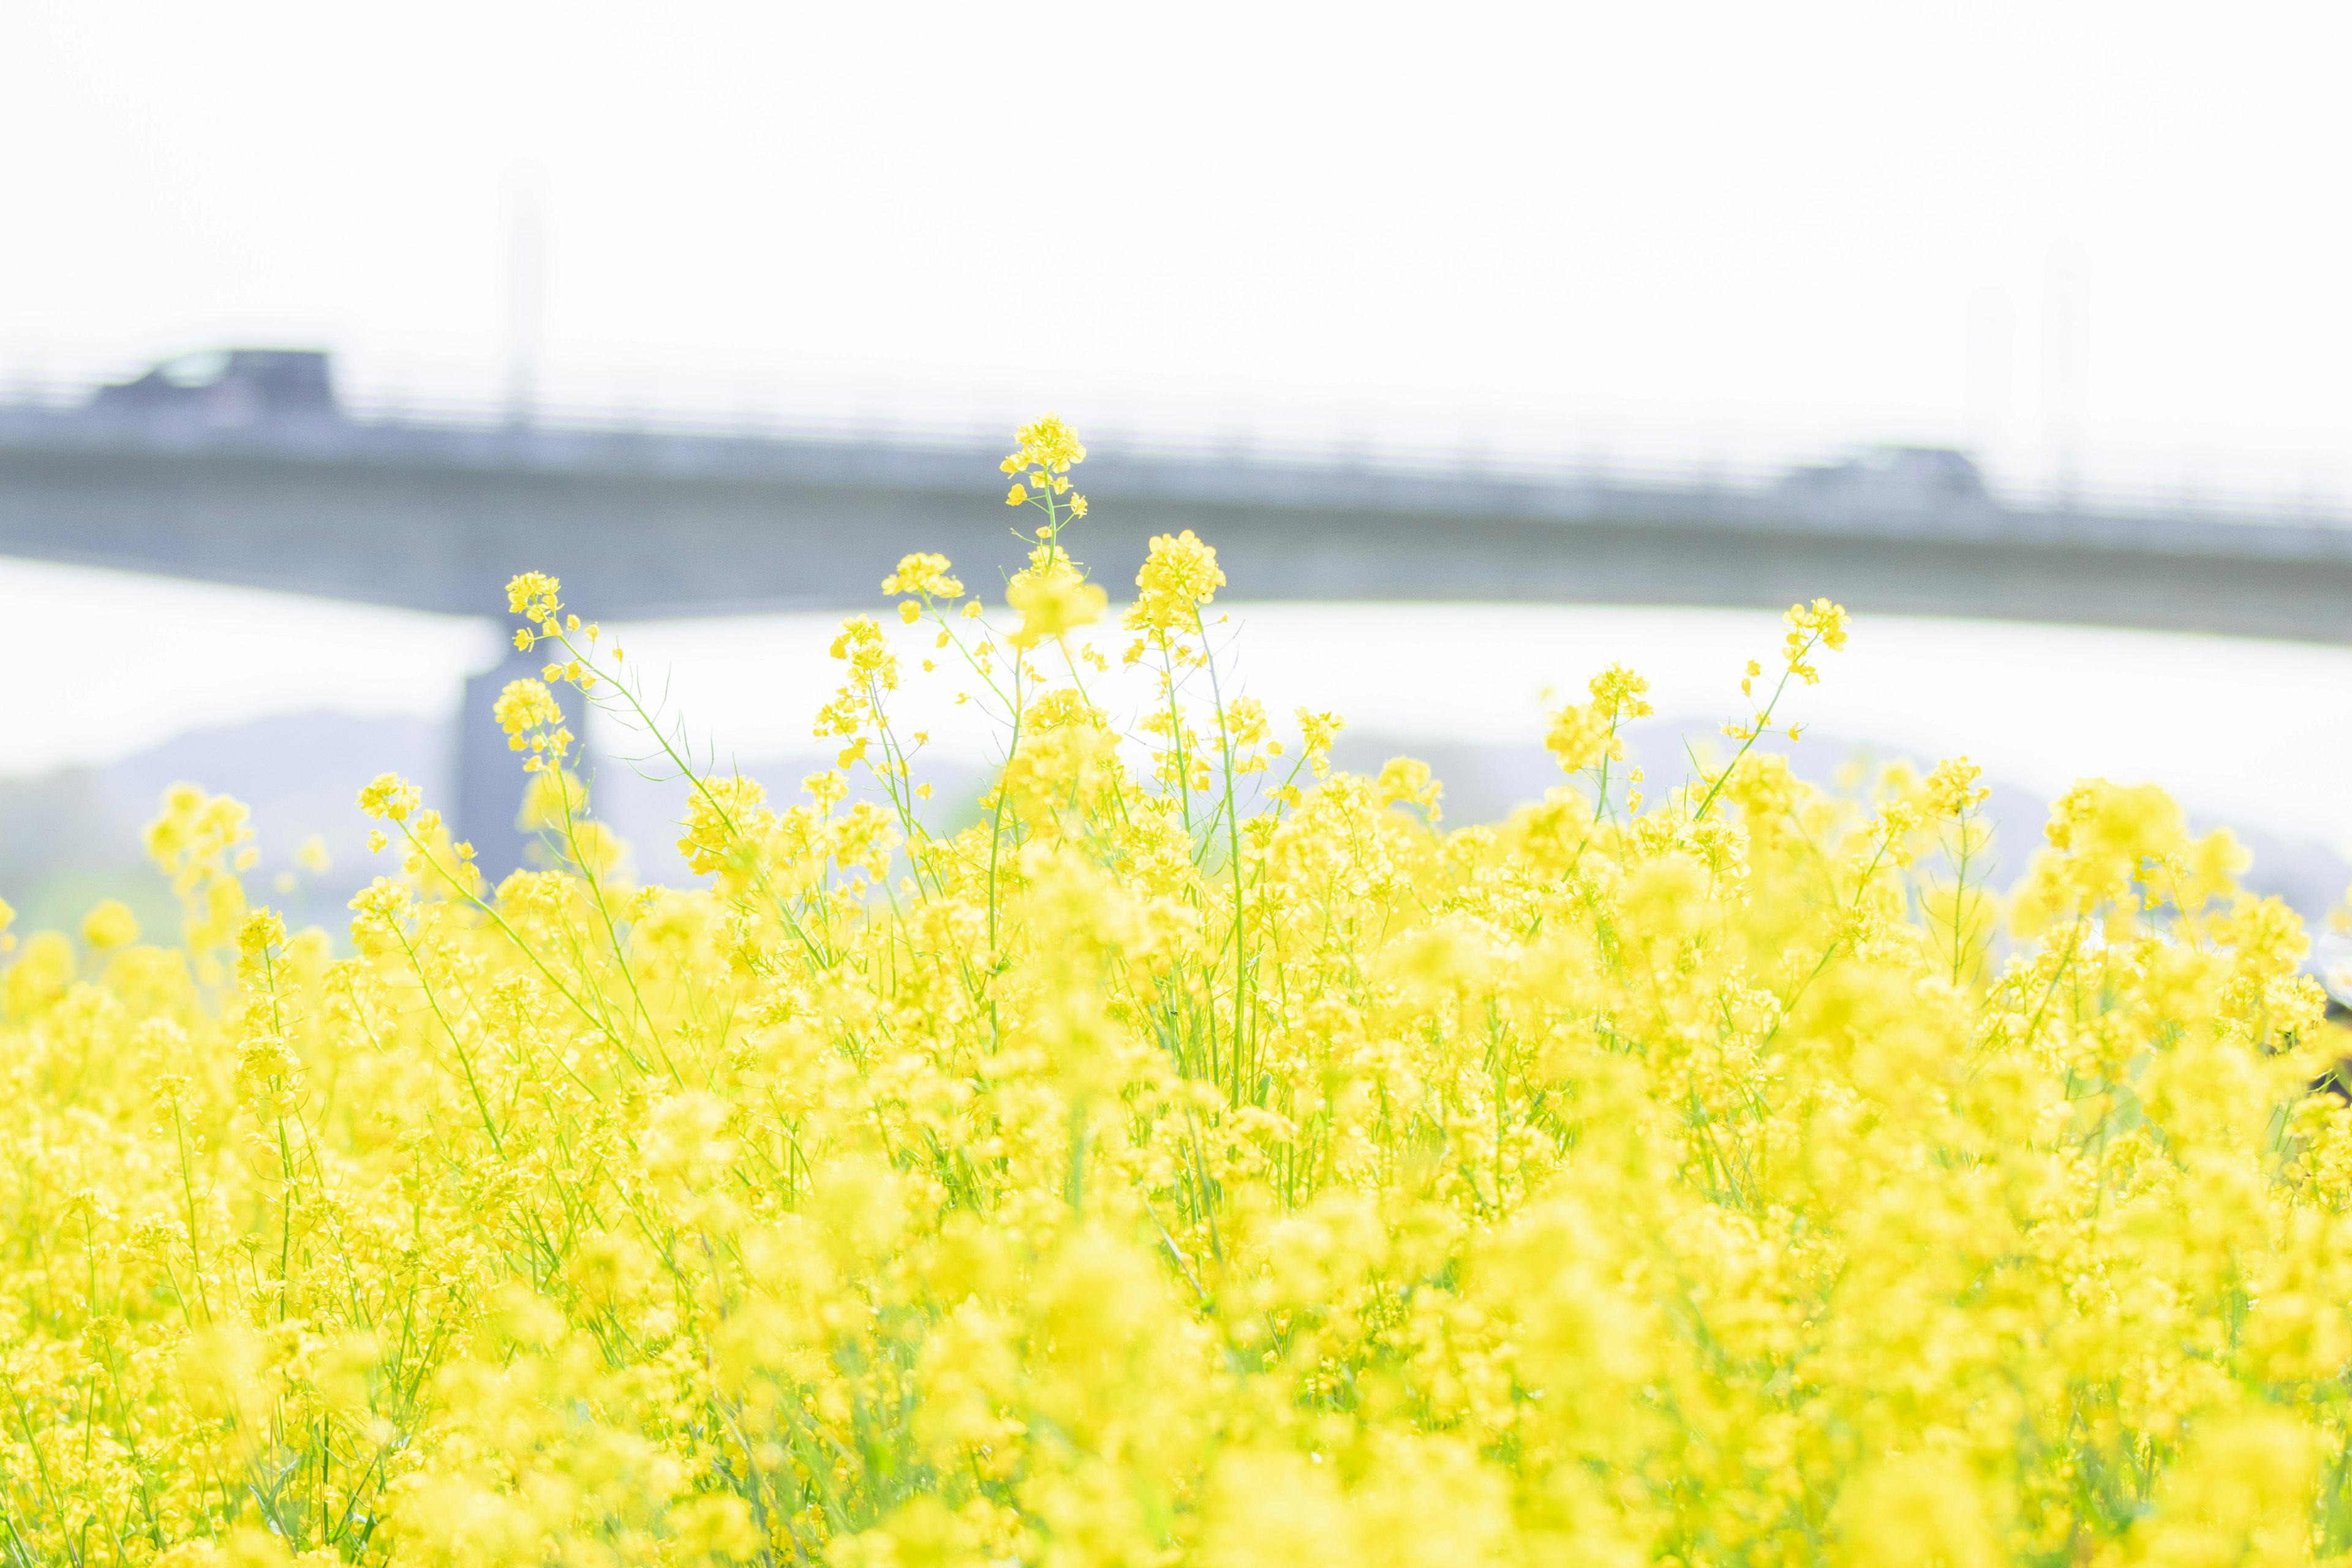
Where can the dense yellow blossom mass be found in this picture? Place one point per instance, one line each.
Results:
(1205, 1158)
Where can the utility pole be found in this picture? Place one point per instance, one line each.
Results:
(526, 302)
(2063, 376)
(1989, 375)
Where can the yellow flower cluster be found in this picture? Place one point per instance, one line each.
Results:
(1161, 1172)
(1180, 576)
(1043, 456)
(1052, 596)
(925, 577)
(1584, 735)
(533, 722)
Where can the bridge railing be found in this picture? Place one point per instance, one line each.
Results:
(2274, 486)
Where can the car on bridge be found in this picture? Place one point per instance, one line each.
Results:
(228, 386)
(1904, 481)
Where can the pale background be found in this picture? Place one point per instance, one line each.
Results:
(2105, 239)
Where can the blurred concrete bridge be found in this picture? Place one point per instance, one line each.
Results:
(438, 516)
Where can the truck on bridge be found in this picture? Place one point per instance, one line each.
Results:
(228, 386)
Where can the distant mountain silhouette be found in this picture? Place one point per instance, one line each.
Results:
(1483, 783)
(72, 837)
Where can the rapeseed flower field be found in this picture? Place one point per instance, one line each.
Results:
(1204, 1158)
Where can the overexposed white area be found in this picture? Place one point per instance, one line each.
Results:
(2241, 730)
(102, 664)
(2046, 230)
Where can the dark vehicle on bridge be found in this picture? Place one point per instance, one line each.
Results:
(228, 386)
(1933, 481)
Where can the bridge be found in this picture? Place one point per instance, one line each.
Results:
(438, 516)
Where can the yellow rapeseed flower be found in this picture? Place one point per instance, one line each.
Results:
(1140, 1161)
(925, 574)
(1051, 597)
(110, 924)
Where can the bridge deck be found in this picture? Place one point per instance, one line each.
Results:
(438, 518)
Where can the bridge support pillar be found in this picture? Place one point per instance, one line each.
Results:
(491, 779)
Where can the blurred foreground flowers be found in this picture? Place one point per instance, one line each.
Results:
(1205, 1158)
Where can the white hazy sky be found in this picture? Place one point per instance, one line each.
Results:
(1825, 221)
